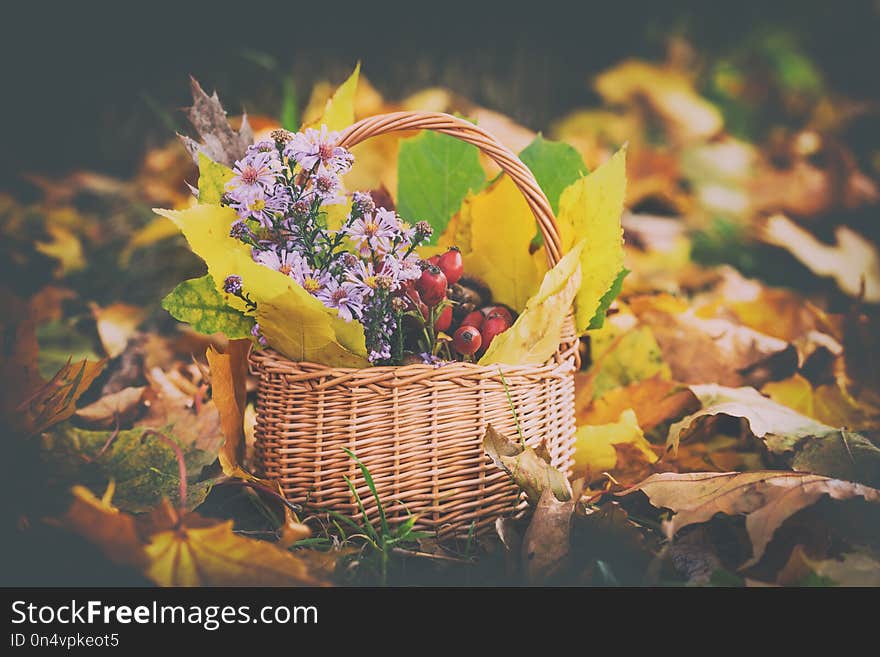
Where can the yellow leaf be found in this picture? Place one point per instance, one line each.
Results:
(116, 324)
(339, 111)
(594, 444)
(501, 230)
(155, 231)
(214, 555)
(535, 334)
(65, 247)
(228, 390)
(590, 209)
(830, 403)
(293, 321)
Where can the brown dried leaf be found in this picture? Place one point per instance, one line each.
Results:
(766, 498)
(221, 142)
(701, 350)
(547, 541)
(117, 407)
(116, 324)
(228, 390)
(529, 471)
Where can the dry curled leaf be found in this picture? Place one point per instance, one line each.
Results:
(528, 470)
(220, 141)
(228, 390)
(116, 407)
(766, 498)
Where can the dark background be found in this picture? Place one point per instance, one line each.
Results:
(91, 85)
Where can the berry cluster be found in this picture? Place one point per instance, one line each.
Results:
(453, 314)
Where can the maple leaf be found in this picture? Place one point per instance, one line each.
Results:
(188, 550)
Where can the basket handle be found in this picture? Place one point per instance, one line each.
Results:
(468, 132)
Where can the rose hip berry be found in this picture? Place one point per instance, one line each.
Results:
(498, 310)
(474, 319)
(467, 340)
(494, 324)
(451, 265)
(432, 285)
(444, 319)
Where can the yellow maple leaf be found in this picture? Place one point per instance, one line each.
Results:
(590, 209)
(594, 444)
(535, 334)
(293, 321)
(501, 228)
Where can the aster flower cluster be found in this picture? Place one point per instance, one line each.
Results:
(279, 190)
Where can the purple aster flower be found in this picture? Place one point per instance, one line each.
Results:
(264, 207)
(363, 277)
(264, 146)
(402, 269)
(327, 187)
(363, 202)
(232, 285)
(430, 359)
(345, 298)
(240, 231)
(254, 173)
(314, 147)
(374, 230)
(288, 263)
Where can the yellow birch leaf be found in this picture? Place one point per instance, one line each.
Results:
(339, 111)
(501, 228)
(594, 451)
(590, 209)
(293, 321)
(535, 334)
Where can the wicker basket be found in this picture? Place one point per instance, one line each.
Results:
(419, 429)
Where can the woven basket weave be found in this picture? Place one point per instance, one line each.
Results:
(418, 428)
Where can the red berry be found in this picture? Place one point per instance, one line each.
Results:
(466, 340)
(451, 264)
(500, 310)
(494, 324)
(474, 319)
(444, 319)
(434, 260)
(432, 285)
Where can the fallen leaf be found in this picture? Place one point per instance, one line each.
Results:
(667, 92)
(193, 551)
(228, 390)
(528, 470)
(856, 568)
(546, 544)
(115, 408)
(829, 403)
(850, 261)
(65, 247)
(712, 350)
(536, 333)
(116, 324)
(802, 443)
(765, 498)
(55, 400)
(654, 401)
(595, 445)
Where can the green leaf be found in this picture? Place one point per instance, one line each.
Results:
(212, 179)
(556, 165)
(198, 303)
(598, 320)
(434, 174)
(142, 467)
